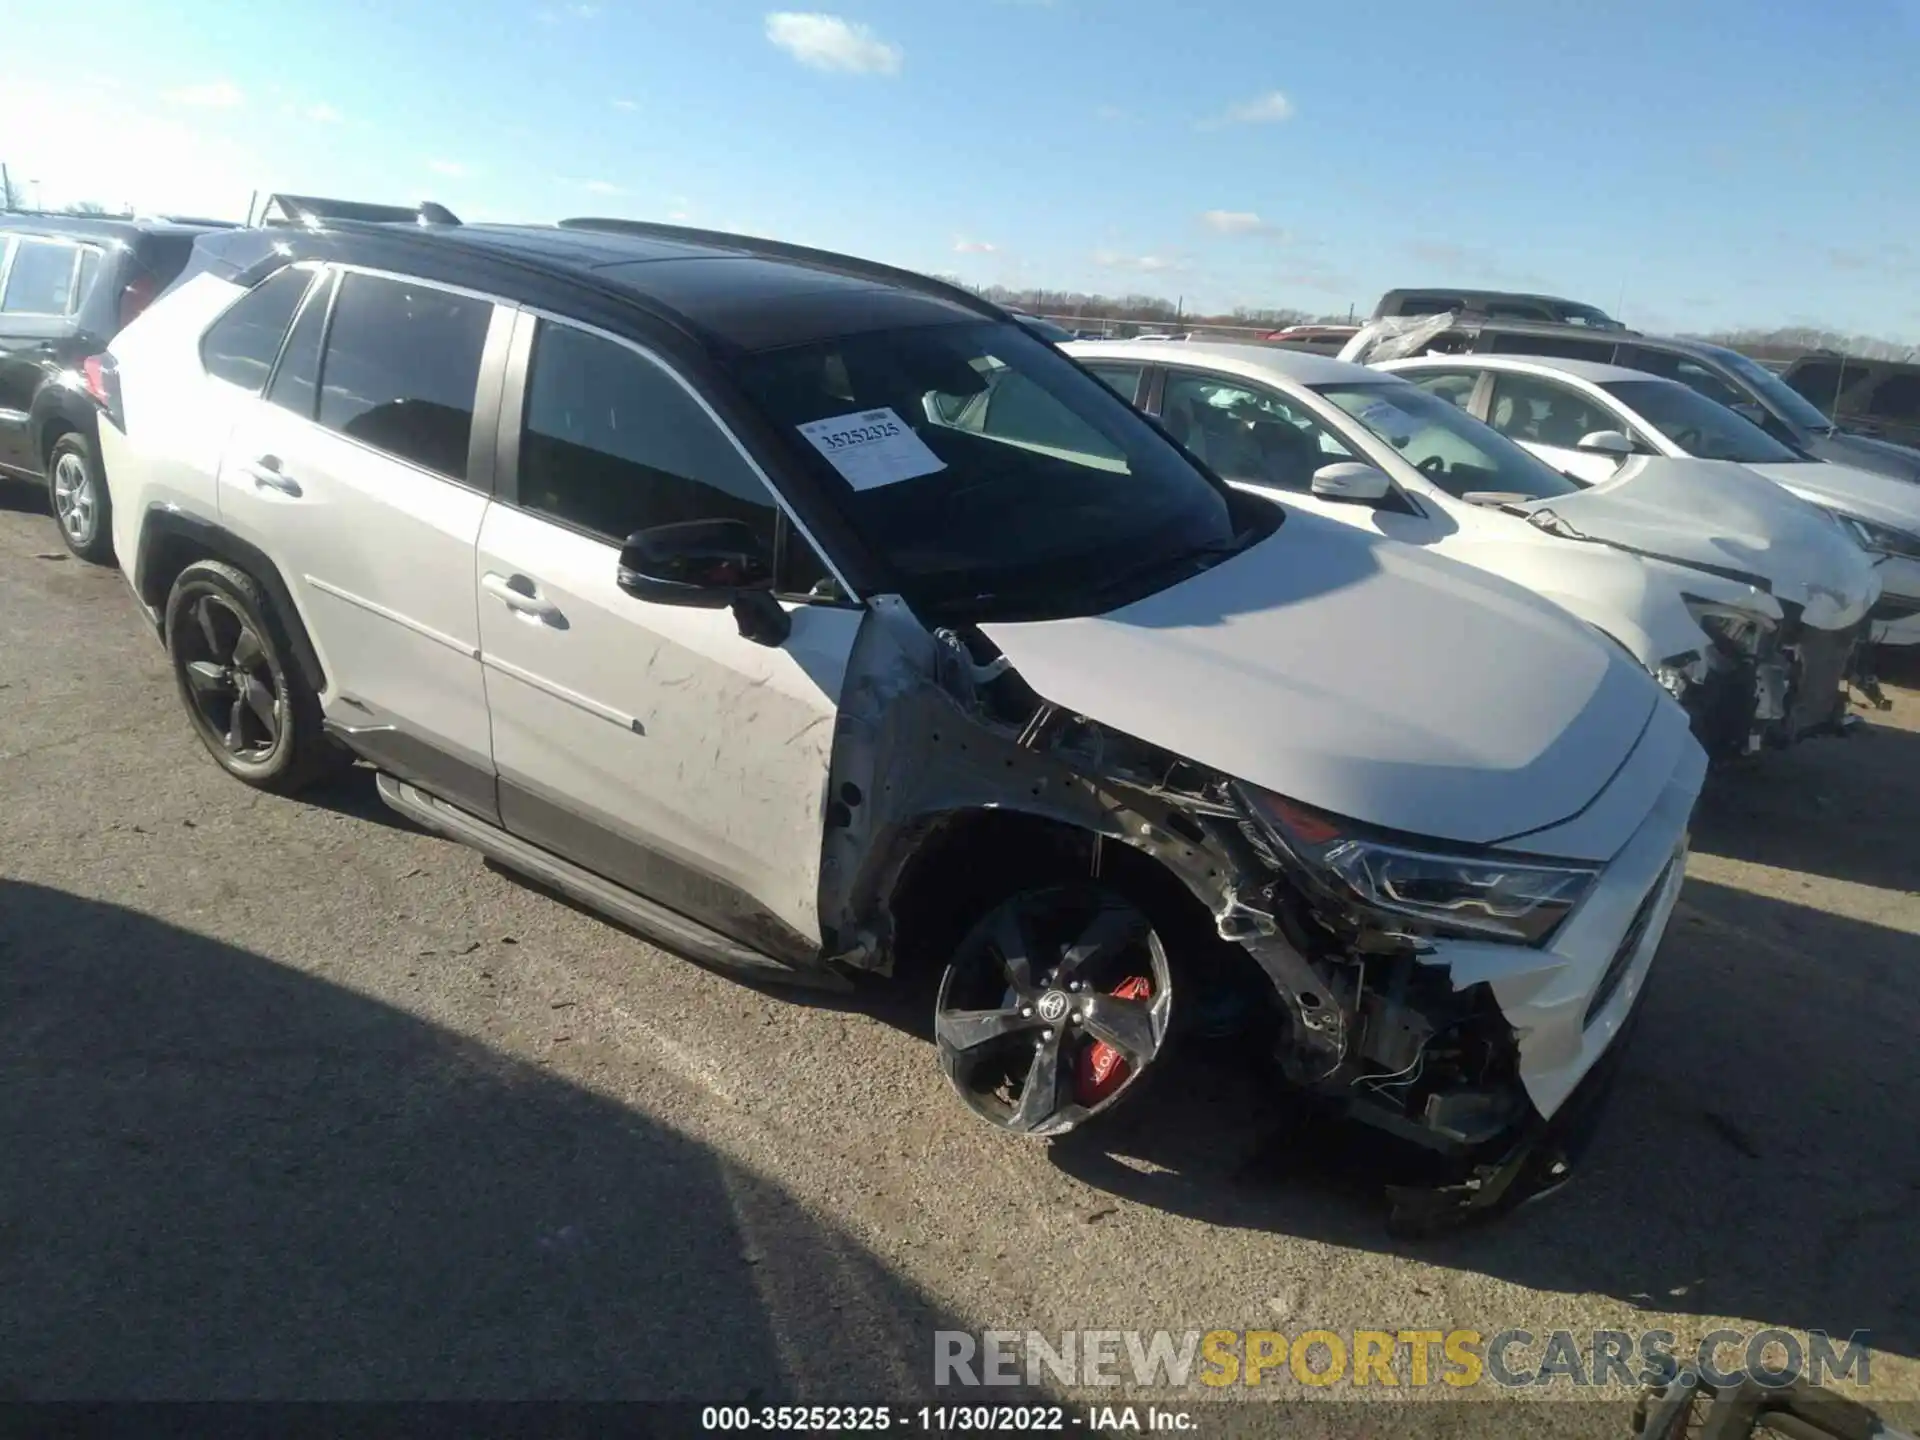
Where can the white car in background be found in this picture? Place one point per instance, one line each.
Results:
(1744, 602)
(1588, 419)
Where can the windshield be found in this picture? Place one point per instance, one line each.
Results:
(1447, 445)
(1702, 428)
(1784, 399)
(992, 474)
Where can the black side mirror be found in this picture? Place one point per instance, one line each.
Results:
(709, 565)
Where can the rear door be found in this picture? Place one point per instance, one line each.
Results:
(651, 744)
(40, 278)
(358, 473)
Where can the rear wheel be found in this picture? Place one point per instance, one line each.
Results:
(1054, 1007)
(254, 711)
(78, 494)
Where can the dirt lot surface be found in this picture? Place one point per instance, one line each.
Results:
(298, 1101)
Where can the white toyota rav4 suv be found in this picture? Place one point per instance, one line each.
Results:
(707, 580)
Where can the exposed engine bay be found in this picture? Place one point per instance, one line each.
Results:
(938, 732)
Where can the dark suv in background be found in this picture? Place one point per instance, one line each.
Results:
(68, 284)
(1495, 305)
(1877, 398)
(1735, 380)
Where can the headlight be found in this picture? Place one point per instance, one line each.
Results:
(1738, 632)
(1484, 896)
(1881, 539)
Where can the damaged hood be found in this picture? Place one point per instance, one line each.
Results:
(1717, 516)
(1879, 498)
(1360, 676)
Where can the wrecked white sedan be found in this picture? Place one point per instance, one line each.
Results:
(819, 621)
(1747, 604)
(1589, 420)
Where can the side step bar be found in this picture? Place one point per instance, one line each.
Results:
(663, 926)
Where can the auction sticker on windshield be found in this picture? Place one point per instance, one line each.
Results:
(872, 448)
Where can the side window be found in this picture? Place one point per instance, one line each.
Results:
(1690, 373)
(1526, 407)
(1895, 398)
(1453, 386)
(40, 281)
(1123, 380)
(612, 444)
(1564, 347)
(295, 383)
(1248, 433)
(89, 272)
(401, 367)
(240, 346)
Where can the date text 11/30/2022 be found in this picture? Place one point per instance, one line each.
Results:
(945, 1419)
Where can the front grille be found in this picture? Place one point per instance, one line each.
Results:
(1629, 946)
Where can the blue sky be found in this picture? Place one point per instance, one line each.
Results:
(1690, 163)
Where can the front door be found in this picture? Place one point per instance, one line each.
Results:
(37, 289)
(1550, 419)
(649, 743)
(353, 473)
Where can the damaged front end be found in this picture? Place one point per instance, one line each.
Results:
(1762, 684)
(1348, 931)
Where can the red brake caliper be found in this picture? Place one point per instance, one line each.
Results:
(1102, 1068)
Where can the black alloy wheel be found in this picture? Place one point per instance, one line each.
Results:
(1028, 1023)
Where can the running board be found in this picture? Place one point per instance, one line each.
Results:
(663, 926)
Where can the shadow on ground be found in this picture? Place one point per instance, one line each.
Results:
(1759, 1158)
(226, 1178)
(1847, 809)
(24, 497)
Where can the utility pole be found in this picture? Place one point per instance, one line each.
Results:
(6, 189)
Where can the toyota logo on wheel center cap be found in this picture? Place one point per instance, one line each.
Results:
(1052, 1006)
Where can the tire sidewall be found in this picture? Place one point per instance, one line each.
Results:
(204, 579)
(98, 548)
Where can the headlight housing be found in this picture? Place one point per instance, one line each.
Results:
(1739, 633)
(1881, 539)
(1483, 896)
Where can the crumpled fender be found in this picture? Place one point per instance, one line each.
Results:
(1636, 601)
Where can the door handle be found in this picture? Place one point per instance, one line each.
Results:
(520, 595)
(267, 475)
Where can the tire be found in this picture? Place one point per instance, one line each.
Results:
(247, 701)
(1009, 1032)
(77, 494)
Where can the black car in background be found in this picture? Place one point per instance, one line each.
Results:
(1879, 399)
(68, 285)
(1495, 305)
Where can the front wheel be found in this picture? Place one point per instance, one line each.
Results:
(1054, 1007)
(78, 493)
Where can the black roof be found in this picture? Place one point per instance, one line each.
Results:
(104, 227)
(732, 292)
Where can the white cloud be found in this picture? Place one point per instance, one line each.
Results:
(1237, 222)
(1144, 264)
(1266, 109)
(626, 104)
(553, 15)
(826, 42)
(218, 95)
(679, 217)
(1109, 113)
(600, 187)
(964, 246)
(451, 168)
(324, 114)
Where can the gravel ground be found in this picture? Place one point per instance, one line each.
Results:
(298, 1101)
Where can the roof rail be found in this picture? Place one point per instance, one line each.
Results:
(830, 259)
(283, 209)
